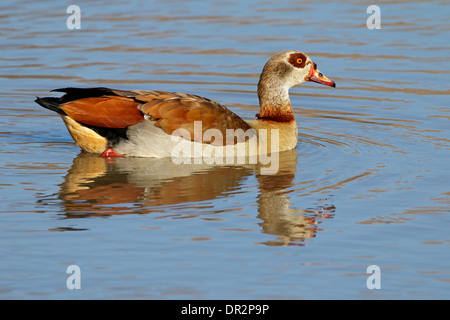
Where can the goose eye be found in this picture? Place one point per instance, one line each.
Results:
(315, 66)
(299, 60)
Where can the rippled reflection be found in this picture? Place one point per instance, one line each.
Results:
(98, 187)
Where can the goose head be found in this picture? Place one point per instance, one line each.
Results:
(283, 71)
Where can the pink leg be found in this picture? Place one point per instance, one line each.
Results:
(109, 153)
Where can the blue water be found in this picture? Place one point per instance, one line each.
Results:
(366, 185)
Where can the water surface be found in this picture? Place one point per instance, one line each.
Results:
(366, 185)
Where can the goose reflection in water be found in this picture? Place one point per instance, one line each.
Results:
(98, 187)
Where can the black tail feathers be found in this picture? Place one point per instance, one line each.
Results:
(51, 104)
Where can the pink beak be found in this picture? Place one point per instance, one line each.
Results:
(317, 76)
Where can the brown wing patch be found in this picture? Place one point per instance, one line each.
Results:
(105, 111)
(109, 108)
(173, 111)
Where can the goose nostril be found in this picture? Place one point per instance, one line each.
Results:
(320, 74)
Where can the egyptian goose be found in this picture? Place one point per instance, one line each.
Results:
(143, 123)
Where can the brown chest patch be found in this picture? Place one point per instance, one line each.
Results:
(279, 114)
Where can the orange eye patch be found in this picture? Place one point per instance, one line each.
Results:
(297, 59)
